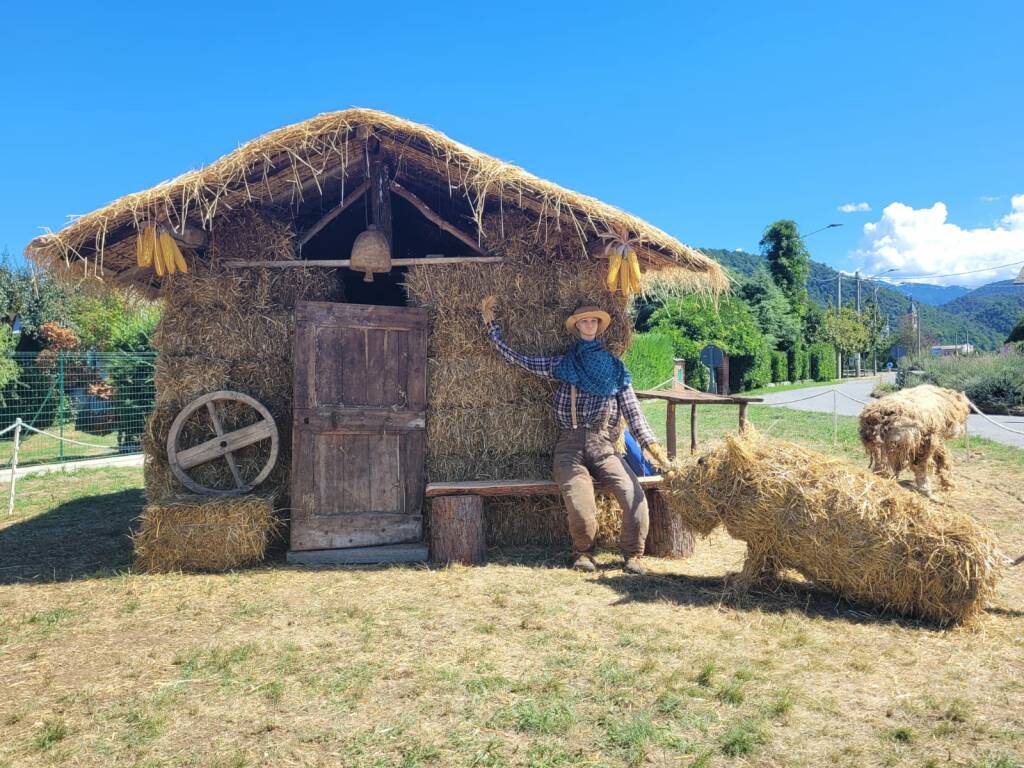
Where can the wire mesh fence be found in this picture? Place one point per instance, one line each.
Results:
(85, 404)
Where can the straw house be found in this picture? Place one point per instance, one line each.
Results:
(375, 387)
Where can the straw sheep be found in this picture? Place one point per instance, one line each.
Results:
(845, 529)
(909, 428)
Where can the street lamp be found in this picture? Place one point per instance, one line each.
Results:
(828, 226)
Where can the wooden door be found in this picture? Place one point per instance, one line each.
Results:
(358, 432)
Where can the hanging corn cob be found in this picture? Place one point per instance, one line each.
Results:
(160, 251)
(623, 264)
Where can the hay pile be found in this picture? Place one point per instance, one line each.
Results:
(230, 329)
(862, 536)
(203, 534)
(488, 420)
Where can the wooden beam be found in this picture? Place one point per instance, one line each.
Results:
(332, 263)
(332, 214)
(429, 213)
(693, 428)
(670, 429)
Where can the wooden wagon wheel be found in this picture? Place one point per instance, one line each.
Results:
(224, 445)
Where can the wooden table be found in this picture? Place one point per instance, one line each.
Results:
(693, 398)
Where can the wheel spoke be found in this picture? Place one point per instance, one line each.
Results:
(230, 456)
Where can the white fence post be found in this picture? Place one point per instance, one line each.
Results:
(14, 465)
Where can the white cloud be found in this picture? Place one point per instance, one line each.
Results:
(921, 241)
(853, 208)
(991, 198)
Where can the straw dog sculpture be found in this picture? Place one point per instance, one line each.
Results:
(845, 529)
(909, 428)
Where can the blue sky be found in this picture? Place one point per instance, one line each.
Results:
(710, 120)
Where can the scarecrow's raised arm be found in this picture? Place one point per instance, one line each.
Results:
(542, 365)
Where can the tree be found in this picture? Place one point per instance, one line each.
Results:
(878, 340)
(788, 261)
(694, 322)
(1017, 334)
(773, 312)
(844, 331)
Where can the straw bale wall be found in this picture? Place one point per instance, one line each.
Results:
(231, 329)
(486, 419)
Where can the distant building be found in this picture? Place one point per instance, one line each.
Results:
(951, 350)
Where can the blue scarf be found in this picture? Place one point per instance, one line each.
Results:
(592, 368)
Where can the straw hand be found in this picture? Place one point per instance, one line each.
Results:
(658, 456)
(487, 308)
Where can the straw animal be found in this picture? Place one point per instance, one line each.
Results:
(843, 528)
(909, 428)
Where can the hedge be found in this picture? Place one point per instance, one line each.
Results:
(822, 359)
(649, 359)
(780, 366)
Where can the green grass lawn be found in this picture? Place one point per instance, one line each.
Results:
(43, 449)
(519, 662)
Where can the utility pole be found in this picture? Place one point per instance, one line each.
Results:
(859, 318)
(919, 329)
(839, 312)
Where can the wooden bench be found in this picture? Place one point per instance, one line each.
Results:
(457, 517)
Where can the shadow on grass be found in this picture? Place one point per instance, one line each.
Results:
(787, 597)
(84, 538)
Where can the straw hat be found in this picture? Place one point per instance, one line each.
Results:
(588, 310)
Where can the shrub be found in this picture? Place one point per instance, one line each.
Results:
(822, 359)
(995, 383)
(780, 366)
(798, 363)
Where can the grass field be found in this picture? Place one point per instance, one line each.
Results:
(517, 663)
(43, 449)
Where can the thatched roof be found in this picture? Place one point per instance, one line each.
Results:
(295, 163)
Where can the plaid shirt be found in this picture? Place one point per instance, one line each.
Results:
(589, 408)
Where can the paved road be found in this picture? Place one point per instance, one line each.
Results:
(820, 399)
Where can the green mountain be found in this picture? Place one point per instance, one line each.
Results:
(998, 305)
(936, 295)
(939, 324)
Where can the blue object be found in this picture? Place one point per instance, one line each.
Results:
(592, 368)
(635, 457)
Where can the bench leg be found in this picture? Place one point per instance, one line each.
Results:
(457, 530)
(667, 536)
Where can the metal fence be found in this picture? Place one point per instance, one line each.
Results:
(74, 405)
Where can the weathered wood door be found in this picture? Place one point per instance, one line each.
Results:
(358, 432)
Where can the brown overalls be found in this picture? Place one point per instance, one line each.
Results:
(582, 454)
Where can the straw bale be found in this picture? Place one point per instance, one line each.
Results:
(193, 533)
(518, 428)
(842, 527)
(482, 381)
(180, 379)
(495, 463)
(908, 427)
(229, 334)
(512, 521)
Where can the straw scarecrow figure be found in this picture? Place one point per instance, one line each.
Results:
(594, 391)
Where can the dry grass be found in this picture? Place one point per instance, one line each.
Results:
(278, 166)
(516, 663)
